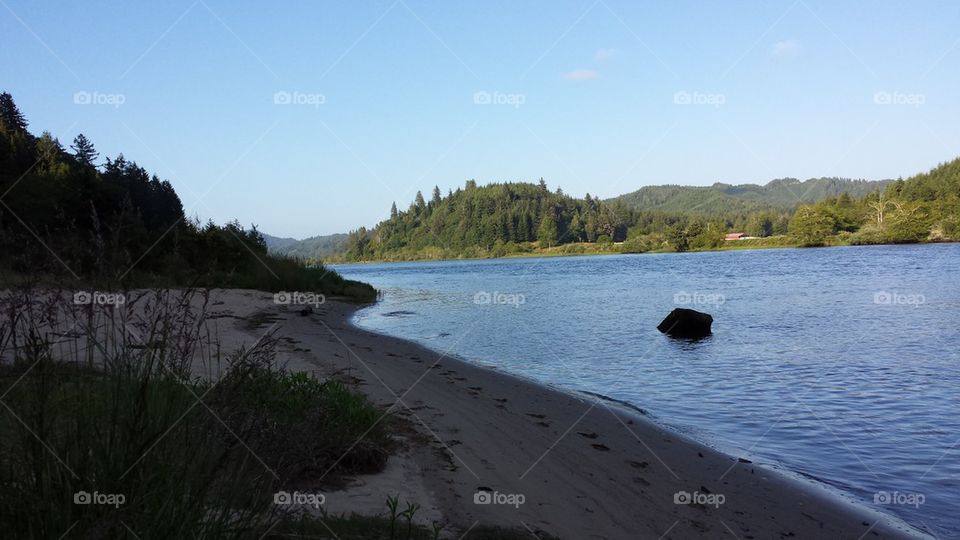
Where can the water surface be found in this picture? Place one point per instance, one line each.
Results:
(839, 364)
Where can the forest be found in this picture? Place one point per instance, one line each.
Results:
(66, 216)
(504, 219)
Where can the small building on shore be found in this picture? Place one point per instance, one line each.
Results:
(736, 236)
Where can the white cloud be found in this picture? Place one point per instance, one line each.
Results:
(580, 75)
(604, 54)
(787, 47)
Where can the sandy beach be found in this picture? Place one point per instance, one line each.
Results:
(574, 466)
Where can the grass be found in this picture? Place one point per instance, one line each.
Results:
(271, 273)
(109, 431)
(102, 403)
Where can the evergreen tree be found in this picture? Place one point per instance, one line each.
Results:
(575, 232)
(419, 204)
(12, 119)
(547, 233)
(83, 150)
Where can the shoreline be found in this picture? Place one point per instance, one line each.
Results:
(585, 469)
(614, 253)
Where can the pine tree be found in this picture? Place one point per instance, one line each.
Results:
(435, 200)
(547, 232)
(393, 211)
(83, 150)
(419, 204)
(12, 119)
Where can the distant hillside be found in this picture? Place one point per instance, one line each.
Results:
(277, 244)
(315, 247)
(724, 199)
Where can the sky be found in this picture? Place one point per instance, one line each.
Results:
(308, 118)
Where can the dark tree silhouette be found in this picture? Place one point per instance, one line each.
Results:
(83, 150)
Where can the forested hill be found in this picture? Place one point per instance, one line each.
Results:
(723, 199)
(69, 218)
(315, 247)
(501, 219)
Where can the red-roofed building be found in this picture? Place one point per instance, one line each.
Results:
(735, 236)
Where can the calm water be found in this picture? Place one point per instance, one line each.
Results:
(841, 364)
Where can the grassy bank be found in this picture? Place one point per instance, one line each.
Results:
(266, 272)
(108, 433)
(588, 249)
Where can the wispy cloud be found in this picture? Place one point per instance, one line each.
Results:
(785, 48)
(580, 75)
(604, 54)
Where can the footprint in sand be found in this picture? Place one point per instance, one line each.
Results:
(500, 400)
(543, 424)
(537, 416)
(590, 435)
(601, 447)
(638, 464)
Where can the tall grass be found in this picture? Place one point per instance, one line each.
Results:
(130, 422)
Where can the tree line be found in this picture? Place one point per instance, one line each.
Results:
(505, 218)
(64, 216)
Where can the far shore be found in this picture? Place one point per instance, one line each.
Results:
(572, 465)
(729, 246)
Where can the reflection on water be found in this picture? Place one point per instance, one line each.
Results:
(837, 363)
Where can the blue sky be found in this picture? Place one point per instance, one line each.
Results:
(311, 118)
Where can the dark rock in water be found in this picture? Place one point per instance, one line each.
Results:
(686, 323)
